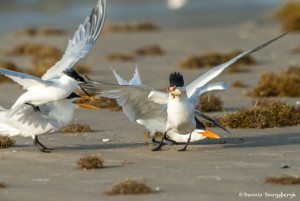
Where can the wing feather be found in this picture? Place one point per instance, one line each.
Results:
(82, 41)
(24, 79)
(214, 72)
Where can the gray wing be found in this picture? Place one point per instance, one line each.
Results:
(133, 99)
(24, 79)
(214, 72)
(82, 42)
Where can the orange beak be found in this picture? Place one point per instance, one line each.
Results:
(209, 134)
(84, 105)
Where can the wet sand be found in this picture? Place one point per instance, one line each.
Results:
(209, 170)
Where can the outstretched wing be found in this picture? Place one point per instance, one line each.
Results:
(218, 86)
(214, 72)
(82, 42)
(133, 99)
(24, 79)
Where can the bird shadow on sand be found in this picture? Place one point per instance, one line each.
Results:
(101, 146)
(267, 140)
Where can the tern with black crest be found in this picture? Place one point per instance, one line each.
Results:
(61, 79)
(167, 112)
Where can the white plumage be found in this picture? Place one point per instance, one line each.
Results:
(138, 105)
(60, 80)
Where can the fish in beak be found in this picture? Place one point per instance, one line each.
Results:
(176, 92)
(209, 134)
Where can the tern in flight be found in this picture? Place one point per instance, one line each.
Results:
(176, 109)
(61, 79)
(28, 123)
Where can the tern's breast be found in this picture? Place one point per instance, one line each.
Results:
(181, 117)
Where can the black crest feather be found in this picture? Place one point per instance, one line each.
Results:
(176, 79)
(72, 73)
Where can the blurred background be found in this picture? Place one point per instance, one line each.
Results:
(166, 13)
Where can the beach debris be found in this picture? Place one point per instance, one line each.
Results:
(285, 83)
(105, 140)
(40, 31)
(43, 57)
(36, 50)
(2, 184)
(212, 59)
(285, 167)
(147, 50)
(209, 103)
(89, 162)
(157, 134)
(238, 84)
(283, 180)
(289, 16)
(143, 26)
(265, 114)
(120, 56)
(101, 103)
(6, 142)
(129, 186)
(76, 128)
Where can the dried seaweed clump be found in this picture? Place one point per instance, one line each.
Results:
(40, 31)
(211, 59)
(237, 84)
(76, 128)
(119, 56)
(286, 83)
(43, 56)
(268, 114)
(131, 27)
(149, 50)
(210, 103)
(8, 65)
(37, 50)
(289, 16)
(2, 184)
(129, 186)
(157, 134)
(101, 103)
(89, 162)
(283, 180)
(6, 142)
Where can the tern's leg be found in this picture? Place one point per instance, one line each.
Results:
(158, 147)
(36, 108)
(40, 146)
(188, 141)
(153, 140)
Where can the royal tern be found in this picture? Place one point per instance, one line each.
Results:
(28, 123)
(132, 107)
(61, 79)
(185, 100)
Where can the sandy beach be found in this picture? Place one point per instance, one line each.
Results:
(208, 170)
